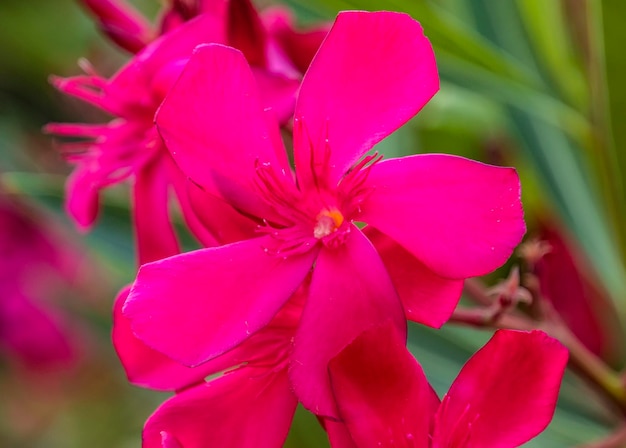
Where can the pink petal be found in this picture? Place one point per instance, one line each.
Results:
(278, 92)
(225, 224)
(246, 31)
(427, 297)
(212, 122)
(196, 306)
(178, 12)
(181, 184)
(373, 72)
(160, 63)
(566, 281)
(149, 368)
(299, 46)
(505, 394)
(382, 393)
(36, 335)
(338, 434)
(144, 366)
(459, 217)
(155, 235)
(122, 23)
(169, 441)
(247, 408)
(82, 197)
(350, 291)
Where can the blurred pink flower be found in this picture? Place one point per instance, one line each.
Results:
(453, 218)
(129, 145)
(504, 395)
(33, 267)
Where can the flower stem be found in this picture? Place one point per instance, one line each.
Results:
(585, 362)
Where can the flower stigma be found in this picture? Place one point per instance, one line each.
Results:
(327, 222)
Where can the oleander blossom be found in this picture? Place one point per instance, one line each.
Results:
(129, 145)
(504, 396)
(443, 217)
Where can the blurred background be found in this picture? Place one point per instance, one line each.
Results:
(533, 84)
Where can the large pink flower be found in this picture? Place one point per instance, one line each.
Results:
(504, 396)
(129, 145)
(453, 218)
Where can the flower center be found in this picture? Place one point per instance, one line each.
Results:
(327, 222)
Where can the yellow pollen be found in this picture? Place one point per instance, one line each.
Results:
(328, 221)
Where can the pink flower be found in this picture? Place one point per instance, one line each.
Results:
(504, 396)
(454, 218)
(129, 145)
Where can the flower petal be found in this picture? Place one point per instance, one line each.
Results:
(212, 122)
(148, 368)
(338, 434)
(164, 52)
(505, 394)
(278, 92)
(35, 334)
(181, 185)
(246, 32)
(169, 441)
(566, 280)
(299, 47)
(122, 23)
(373, 72)
(427, 297)
(155, 235)
(382, 393)
(223, 222)
(459, 217)
(196, 306)
(82, 201)
(144, 366)
(350, 291)
(247, 408)
(177, 12)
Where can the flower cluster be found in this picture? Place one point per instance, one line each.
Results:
(316, 250)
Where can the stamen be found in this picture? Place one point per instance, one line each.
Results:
(278, 192)
(87, 88)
